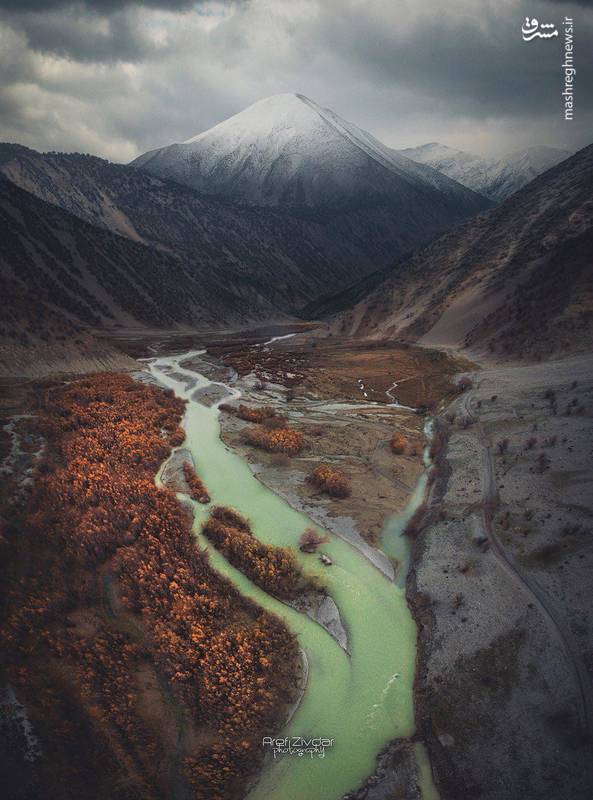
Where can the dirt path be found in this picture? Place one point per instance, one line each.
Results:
(489, 505)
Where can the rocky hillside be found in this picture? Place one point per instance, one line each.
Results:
(262, 263)
(515, 281)
(61, 278)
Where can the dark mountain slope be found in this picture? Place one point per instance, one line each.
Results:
(517, 280)
(61, 277)
(269, 262)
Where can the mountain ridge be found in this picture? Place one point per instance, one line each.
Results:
(497, 179)
(289, 134)
(238, 249)
(63, 279)
(516, 281)
(272, 259)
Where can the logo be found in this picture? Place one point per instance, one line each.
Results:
(533, 29)
(297, 746)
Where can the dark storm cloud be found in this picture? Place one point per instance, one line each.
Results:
(119, 78)
(76, 37)
(91, 31)
(102, 6)
(475, 65)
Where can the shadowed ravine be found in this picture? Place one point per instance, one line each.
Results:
(362, 701)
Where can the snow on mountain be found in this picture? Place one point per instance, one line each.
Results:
(515, 170)
(288, 151)
(496, 179)
(466, 168)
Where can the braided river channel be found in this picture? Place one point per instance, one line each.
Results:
(362, 699)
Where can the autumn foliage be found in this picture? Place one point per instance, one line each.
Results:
(277, 440)
(310, 540)
(330, 480)
(197, 490)
(257, 414)
(398, 443)
(274, 569)
(114, 589)
(273, 433)
(249, 413)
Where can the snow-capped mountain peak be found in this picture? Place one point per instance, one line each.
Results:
(494, 178)
(283, 115)
(295, 162)
(286, 150)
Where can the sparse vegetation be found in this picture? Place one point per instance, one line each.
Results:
(502, 446)
(276, 421)
(310, 540)
(330, 480)
(398, 443)
(278, 440)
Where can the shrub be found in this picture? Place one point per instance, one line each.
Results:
(502, 445)
(398, 443)
(330, 480)
(197, 490)
(439, 441)
(177, 437)
(257, 414)
(310, 540)
(279, 440)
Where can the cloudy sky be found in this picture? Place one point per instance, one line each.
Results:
(119, 77)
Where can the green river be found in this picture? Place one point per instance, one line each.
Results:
(362, 701)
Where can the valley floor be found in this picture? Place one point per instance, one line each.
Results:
(500, 583)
